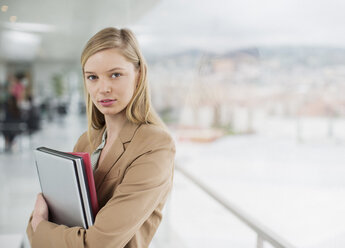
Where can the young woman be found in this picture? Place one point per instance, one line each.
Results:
(132, 153)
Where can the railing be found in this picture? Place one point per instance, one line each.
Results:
(263, 233)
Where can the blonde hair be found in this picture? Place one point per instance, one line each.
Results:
(139, 110)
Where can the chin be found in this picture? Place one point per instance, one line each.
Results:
(112, 112)
(109, 112)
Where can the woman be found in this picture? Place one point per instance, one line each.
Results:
(132, 153)
(12, 122)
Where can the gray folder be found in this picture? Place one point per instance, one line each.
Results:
(65, 187)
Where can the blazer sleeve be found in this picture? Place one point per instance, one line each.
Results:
(146, 182)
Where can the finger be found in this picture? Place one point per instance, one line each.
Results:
(41, 207)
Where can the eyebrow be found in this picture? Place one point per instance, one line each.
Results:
(113, 69)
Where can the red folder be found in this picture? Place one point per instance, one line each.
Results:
(91, 182)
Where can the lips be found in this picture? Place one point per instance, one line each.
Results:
(107, 102)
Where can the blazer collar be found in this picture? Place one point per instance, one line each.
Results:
(127, 132)
(117, 149)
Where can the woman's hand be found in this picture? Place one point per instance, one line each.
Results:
(40, 211)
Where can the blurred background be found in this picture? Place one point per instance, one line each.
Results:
(252, 91)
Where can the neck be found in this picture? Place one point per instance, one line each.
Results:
(114, 125)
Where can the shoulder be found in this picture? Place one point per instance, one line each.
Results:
(146, 130)
(150, 136)
(151, 153)
(82, 142)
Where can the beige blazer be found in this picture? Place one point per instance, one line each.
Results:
(132, 186)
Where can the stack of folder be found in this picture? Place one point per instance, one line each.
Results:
(68, 186)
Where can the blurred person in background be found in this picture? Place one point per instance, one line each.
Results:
(11, 122)
(4, 94)
(3, 97)
(17, 87)
(32, 116)
(131, 151)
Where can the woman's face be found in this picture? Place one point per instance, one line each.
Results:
(110, 80)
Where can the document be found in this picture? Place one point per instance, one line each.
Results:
(68, 186)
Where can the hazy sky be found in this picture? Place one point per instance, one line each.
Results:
(224, 24)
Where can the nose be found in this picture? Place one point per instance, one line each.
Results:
(105, 86)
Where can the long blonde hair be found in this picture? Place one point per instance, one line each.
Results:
(139, 110)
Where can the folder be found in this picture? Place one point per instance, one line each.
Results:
(68, 186)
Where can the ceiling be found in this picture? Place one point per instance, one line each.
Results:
(58, 30)
(49, 30)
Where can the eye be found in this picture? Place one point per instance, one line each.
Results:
(115, 75)
(91, 77)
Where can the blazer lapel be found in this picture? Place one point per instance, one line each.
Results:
(117, 149)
